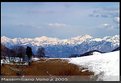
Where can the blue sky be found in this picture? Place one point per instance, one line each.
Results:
(61, 20)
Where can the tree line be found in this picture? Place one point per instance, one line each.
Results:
(20, 51)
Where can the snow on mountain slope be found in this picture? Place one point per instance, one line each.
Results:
(79, 39)
(105, 66)
(44, 40)
(57, 48)
(113, 39)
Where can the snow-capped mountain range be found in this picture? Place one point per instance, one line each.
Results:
(63, 48)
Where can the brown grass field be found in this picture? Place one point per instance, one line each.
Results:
(45, 67)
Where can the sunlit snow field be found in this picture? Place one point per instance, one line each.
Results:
(105, 65)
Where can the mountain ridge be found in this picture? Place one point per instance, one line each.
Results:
(55, 47)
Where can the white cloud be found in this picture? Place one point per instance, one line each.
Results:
(105, 12)
(58, 25)
(108, 26)
(116, 19)
(111, 13)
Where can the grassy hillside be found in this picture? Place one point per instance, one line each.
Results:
(45, 67)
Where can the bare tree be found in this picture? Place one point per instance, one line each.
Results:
(41, 52)
(5, 52)
(19, 51)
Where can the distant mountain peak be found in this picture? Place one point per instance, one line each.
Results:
(87, 36)
(4, 37)
(83, 36)
(80, 38)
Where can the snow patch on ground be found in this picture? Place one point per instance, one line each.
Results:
(105, 65)
(35, 59)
